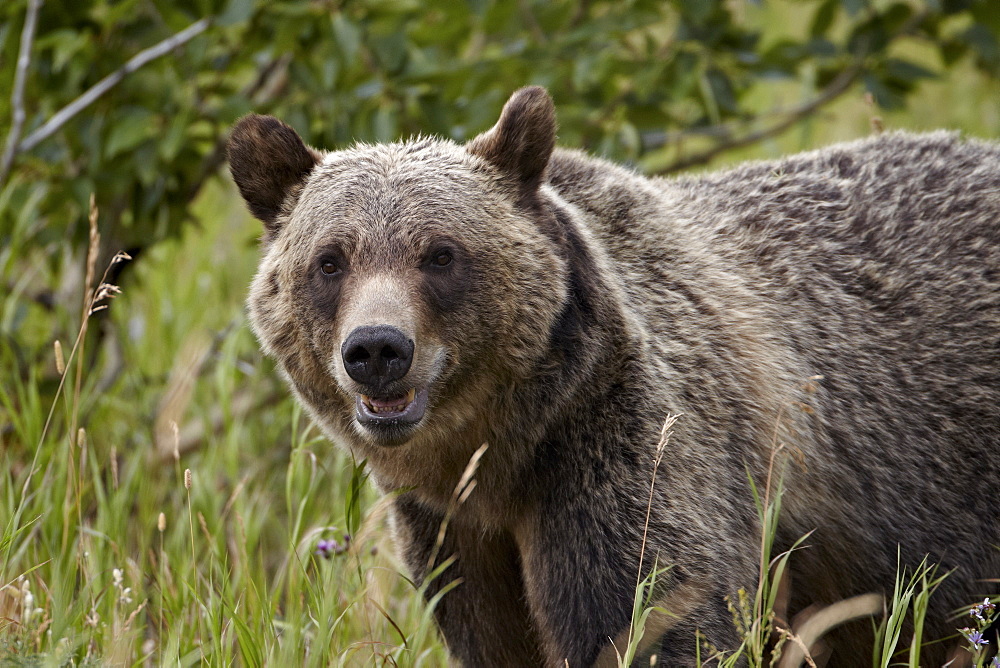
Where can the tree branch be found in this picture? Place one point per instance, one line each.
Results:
(840, 85)
(61, 117)
(17, 96)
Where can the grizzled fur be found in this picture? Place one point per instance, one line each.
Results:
(583, 303)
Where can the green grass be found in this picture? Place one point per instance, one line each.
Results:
(232, 577)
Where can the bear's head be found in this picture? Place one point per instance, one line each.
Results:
(405, 288)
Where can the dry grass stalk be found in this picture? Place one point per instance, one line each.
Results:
(113, 456)
(204, 528)
(194, 559)
(466, 483)
(812, 629)
(177, 442)
(800, 646)
(76, 352)
(190, 360)
(661, 447)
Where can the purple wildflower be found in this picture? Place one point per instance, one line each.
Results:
(327, 548)
(975, 638)
(982, 610)
(995, 663)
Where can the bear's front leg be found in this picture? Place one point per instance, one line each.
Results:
(484, 618)
(581, 562)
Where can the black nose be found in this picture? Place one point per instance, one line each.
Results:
(377, 355)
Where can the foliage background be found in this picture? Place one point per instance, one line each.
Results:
(665, 86)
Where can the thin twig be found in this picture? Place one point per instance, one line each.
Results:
(17, 96)
(61, 117)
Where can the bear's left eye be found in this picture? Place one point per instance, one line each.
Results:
(329, 268)
(441, 259)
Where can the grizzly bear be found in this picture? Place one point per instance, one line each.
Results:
(424, 298)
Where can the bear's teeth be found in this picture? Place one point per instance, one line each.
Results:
(404, 402)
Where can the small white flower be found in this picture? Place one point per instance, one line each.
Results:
(28, 609)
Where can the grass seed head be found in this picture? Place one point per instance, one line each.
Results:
(177, 440)
(60, 360)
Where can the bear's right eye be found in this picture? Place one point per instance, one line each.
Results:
(441, 259)
(329, 268)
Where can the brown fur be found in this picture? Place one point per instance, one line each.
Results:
(585, 303)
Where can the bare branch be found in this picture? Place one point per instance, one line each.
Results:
(62, 116)
(17, 96)
(840, 85)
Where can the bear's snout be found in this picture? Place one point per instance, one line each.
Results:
(377, 355)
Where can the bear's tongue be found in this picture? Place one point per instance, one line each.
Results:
(394, 404)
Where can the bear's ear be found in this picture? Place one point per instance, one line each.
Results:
(521, 142)
(269, 162)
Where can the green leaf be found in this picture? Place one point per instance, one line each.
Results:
(699, 11)
(175, 136)
(352, 509)
(131, 127)
(853, 7)
(884, 96)
(984, 42)
(65, 44)
(908, 71)
(722, 89)
(390, 50)
(385, 125)
(236, 11)
(823, 18)
(347, 36)
(952, 50)
(894, 18)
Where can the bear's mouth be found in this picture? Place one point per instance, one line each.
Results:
(391, 411)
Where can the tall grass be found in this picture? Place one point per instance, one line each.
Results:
(120, 550)
(766, 641)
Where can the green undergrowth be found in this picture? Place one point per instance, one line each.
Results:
(107, 557)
